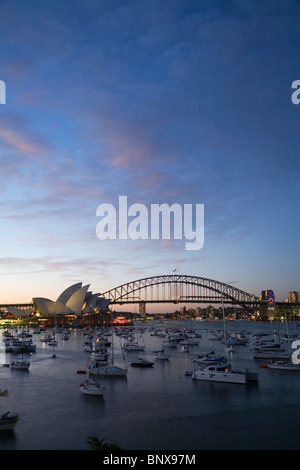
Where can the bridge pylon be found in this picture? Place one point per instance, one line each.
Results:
(142, 309)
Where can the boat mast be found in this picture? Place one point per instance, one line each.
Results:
(224, 326)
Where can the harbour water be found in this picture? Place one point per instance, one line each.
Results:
(158, 408)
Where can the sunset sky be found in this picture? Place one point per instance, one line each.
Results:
(169, 101)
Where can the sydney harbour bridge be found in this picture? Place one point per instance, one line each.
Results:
(175, 288)
(178, 288)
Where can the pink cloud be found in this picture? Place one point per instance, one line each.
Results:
(16, 133)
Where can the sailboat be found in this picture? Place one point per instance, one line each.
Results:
(222, 371)
(161, 355)
(20, 364)
(104, 368)
(90, 387)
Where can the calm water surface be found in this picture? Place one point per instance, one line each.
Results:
(152, 409)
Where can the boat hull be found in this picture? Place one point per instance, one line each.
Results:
(284, 366)
(89, 391)
(162, 357)
(20, 365)
(134, 348)
(108, 370)
(7, 423)
(270, 355)
(99, 356)
(225, 377)
(142, 364)
(92, 389)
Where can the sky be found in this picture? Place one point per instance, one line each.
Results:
(168, 101)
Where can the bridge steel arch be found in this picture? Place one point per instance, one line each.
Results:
(179, 288)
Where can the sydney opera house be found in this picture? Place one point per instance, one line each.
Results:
(75, 300)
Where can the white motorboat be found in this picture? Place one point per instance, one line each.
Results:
(219, 373)
(7, 423)
(89, 387)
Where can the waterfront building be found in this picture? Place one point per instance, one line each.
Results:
(267, 309)
(293, 297)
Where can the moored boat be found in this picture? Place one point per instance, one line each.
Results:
(7, 423)
(46, 338)
(162, 355)
(284, 365)
(267, 354)
(142, 363)
(89, 387)
(219, 373)
(107, 369)
(20, 364)
(99, 355)
(133, 347)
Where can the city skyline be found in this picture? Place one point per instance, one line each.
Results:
(172, 102)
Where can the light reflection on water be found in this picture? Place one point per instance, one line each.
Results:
(157, 408)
